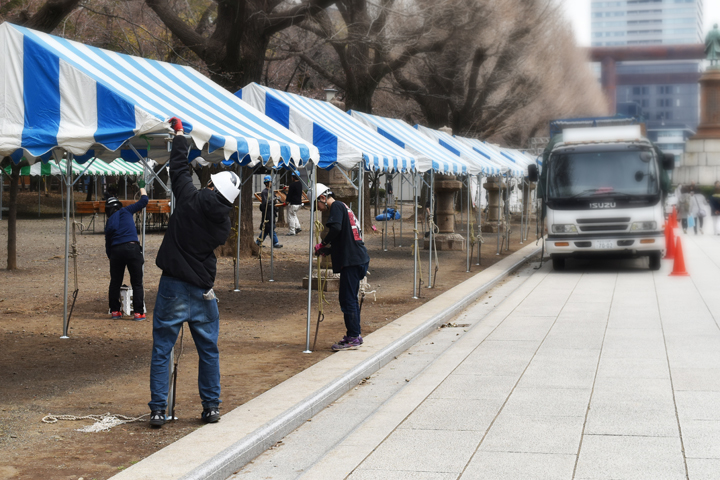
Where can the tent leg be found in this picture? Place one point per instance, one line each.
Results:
(237, 245)
(68, 182)
(467, 233)
(271, 199)
(385, 230)
(499, 216)
(144, 222)
(39, 181)
(2, 186)
(402, 176)
(432, 227)
(125, 187)
(312, 184)
(415, 234)
(479, 219)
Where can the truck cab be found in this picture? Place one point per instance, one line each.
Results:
(603, 193)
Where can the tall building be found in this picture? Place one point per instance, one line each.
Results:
(665, 93)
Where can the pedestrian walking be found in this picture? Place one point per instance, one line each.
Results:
(294, 202)
(715, 208)
(199, 224)
(269, 214)
(349, 258)
(124, 251)
(699, 208)
(683, 205)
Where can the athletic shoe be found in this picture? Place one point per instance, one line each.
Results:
(139, 317)
(277, 245)
(157, 418)
(114, 315)
(290, 234)
(347, 343)
(210, 415)
(298, 230)
(258, 242)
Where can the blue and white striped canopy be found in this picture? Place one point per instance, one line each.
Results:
(495, 154)
(429, 155)
(341, 139)
(59, 93)
(458, 148)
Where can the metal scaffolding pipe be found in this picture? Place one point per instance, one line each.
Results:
(432, 226)
(237, 243)
(311, 191)
(415, 234)
(68, 183)
(271, 199)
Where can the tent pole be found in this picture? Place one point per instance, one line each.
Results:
(2, 186)
(385, 230)
(271, 199)
(144, 222)
(39, 181)
(125, 187)
(402, 176)
(498, 213)
(361, 194)
(68, 177)
(479, 219)
(522, 214)
(237, 246)
(311, 195)
(432, 226)
(415, 233)
(467, 232)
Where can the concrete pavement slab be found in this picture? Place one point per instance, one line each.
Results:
(703, 468)
(534, 434)
(705, 379)
(701, 438)
(475, 387)
(452, 414)
(548, 402)
(609, 457)
(398, 475)
(698, 405)
(516, 465)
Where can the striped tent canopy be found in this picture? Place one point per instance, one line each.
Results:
(100, 168)
(429, 155)
(462, 150)
(495, 154)
(36, 169)
(57, 93)
(340, 138)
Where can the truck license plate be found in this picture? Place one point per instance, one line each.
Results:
(601, 244)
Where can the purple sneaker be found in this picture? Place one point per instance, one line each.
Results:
(347, 343)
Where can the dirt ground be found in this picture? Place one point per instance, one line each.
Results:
(104, 366)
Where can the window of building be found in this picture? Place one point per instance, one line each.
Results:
(664, 102)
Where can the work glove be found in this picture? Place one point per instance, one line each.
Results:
(321, 249)
(176, 124)
(141, 183)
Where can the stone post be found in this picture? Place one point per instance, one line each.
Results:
(446, 239)
(493, 186)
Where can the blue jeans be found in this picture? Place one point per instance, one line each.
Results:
(348, 291)
(179, 302)
(267, 232)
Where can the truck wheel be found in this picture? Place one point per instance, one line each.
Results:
(654, 261)
(558, 264)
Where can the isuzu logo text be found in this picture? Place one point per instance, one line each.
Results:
(603, 205)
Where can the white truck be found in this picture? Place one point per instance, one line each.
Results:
(603, 192)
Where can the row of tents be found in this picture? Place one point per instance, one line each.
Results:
(66, 100)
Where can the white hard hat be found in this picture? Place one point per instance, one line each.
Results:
(321, 189)
(228, 184)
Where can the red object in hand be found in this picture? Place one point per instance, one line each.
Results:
(318, 247)
(176, 124)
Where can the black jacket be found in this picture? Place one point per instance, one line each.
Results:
(199, 224)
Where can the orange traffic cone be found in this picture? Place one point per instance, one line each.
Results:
(679, 264)
(669, 241)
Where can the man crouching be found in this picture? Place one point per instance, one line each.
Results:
(199, 224)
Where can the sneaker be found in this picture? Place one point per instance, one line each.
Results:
(157, 418)
(210, 415)
(114, 315)
(258, 242)
(290, 234)
(298, 230)
(347, 343)
(139, 317)
(277, 245)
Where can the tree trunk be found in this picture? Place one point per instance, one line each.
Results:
(12, 218)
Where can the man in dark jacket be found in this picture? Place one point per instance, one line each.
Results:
(124, 250)
(349, 258)
(269, 214)
(294, 202)
(199, 224)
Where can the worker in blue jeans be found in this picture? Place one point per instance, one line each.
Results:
(199, 224)
(349, 258)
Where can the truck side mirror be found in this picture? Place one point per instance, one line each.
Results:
(668, 161)
(532, 173)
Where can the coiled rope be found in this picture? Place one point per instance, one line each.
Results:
(103, 422)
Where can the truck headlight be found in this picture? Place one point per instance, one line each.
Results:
(643, 226)
(564, 229)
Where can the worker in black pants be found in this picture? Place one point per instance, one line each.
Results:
(124, 250)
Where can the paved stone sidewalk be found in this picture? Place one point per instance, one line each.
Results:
(599, 372)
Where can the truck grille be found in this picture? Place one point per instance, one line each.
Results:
(604, 228)
(603, 220)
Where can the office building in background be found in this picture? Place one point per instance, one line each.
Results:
(665, 93)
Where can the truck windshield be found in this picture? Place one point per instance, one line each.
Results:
(608, 173)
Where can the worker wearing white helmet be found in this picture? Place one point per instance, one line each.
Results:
(349, 258)
(200, 223)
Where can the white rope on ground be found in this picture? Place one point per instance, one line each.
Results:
(365, 289)
(103, 423)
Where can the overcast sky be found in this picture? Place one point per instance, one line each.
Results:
(578, 12)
